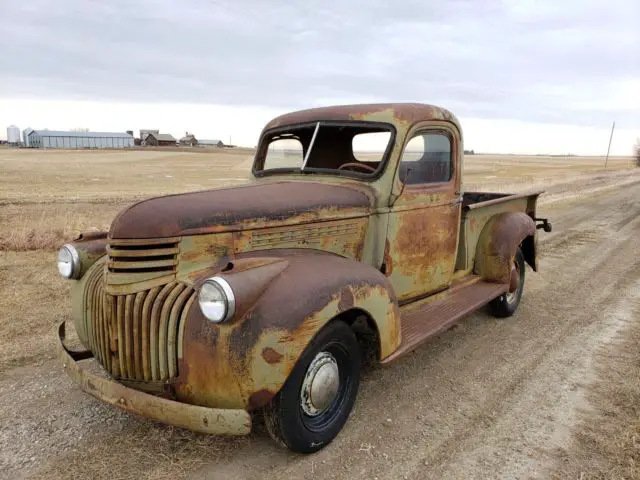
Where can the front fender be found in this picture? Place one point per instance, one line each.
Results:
(283, 299)
(500, 238)
(91, 246)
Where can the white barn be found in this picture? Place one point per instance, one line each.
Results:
(59, 139)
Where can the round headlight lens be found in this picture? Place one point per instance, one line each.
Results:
(68, 262)
(216, 300)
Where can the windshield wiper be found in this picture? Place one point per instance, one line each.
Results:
(313, 139)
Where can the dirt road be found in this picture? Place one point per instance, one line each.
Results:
(489, 398)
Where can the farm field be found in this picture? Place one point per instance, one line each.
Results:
(551, 392)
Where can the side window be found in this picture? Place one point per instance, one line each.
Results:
(284, 152)
(426, 159)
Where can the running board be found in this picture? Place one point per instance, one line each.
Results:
(425, 322)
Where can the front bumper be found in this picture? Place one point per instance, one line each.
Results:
(192, 417)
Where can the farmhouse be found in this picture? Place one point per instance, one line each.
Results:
(74, 140)
(189, 140)
(144, 133)
(160, 140)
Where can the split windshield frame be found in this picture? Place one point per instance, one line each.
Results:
(257, 168)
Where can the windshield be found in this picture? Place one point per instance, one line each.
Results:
(358, 149)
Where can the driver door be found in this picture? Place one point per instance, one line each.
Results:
(422, 237)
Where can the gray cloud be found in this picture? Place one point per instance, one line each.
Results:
(545, 61)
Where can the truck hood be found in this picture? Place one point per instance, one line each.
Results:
(245, 207)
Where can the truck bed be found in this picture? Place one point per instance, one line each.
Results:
(472, 198)
(477, 209)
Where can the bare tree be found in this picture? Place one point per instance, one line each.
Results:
(636, 152)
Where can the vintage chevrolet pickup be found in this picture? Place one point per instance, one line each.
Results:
(353, 241)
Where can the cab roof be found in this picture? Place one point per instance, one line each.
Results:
(397, 114)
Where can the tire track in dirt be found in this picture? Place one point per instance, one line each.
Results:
(525, 392)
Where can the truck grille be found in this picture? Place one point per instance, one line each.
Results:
(136, 336)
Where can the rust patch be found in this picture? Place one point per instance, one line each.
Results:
(405, 113)
(388, 259)
(498, 242)
(271, 356)
(89, 236)
(259, 399)
(422, 245)
(254, 206)
(346, 300)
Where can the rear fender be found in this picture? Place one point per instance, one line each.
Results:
(283, 300)
(499, 240)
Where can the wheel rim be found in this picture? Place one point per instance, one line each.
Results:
(324, 388)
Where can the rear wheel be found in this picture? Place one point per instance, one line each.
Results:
(317, 398)
(507, 304)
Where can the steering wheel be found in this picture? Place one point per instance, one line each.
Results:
(356, 165)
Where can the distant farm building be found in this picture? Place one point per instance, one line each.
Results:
(160, 140)
(189, 140)
(59, 139)
(211, 143)
(144, 133)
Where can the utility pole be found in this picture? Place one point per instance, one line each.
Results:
(609, 147)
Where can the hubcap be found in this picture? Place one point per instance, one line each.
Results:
(320, 385)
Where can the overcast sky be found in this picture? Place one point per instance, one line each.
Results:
(525, 75)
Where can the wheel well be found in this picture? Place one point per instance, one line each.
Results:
(366, 332)
(528, 247)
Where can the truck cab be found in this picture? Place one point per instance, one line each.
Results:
(352, 241)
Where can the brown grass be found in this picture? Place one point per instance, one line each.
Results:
(32, 301)
(48, 226)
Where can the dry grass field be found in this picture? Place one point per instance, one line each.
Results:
(563, 375)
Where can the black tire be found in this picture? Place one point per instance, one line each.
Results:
(507, 304)
(285, 416)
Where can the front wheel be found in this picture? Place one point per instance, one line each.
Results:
(317, 398)
(507, 304)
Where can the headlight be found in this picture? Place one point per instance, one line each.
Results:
(68, 262)
(216, 300)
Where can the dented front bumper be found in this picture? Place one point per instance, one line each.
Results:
(192, 417)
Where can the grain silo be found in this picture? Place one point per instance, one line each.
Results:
(25, 136)
(13, 135)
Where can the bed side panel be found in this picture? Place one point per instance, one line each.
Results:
(474, 220)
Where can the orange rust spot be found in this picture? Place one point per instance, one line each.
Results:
(388, 260)
(271, 356)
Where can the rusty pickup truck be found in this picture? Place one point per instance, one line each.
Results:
(353, 241)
